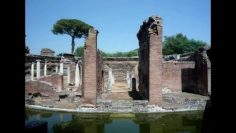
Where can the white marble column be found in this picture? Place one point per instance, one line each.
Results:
(77, 75)
(113, 79)
(80, 73)
(61, 68)
(68, 74)
(130, 81)
(127, 78)
(32, 71)
(38, 69)
(110, 79)
(56, 69)
(45, 68)
(178, 56)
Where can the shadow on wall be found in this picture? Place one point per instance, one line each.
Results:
(134, 93)
(188, 80)
(194, 81)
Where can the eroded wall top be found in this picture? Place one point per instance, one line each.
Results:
(149, 26)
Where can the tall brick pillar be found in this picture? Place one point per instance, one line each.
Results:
(89, 76)
(150, 59)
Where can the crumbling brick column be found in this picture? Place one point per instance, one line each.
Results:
(150, 59)
(89, 78)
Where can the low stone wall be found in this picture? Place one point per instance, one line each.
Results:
(45, 89)
(55, 80)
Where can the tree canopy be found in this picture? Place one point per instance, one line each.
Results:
(80, 50)
(27, 50)
(180, 44)
(72, 27)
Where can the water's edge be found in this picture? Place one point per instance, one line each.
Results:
(38, 107)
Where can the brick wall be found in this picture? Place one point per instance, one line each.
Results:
(201, 75)
(99, 74)
(173, 72)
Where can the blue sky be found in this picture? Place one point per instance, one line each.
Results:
(117, 21)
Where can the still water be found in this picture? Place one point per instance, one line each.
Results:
(60, 122)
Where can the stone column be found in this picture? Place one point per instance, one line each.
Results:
(80, 74)
(113, 79)
(61, 68)
(109, 79)
(56, 68)
(77, 75)
(127, 77)
(68, 74)
(90, 81)
(178, 56)
(45, 68)
(130, 81)
(32, 71)
(38, 69)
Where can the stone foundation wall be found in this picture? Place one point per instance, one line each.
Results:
(42, 87)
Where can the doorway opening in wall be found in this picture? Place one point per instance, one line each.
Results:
(121, 78)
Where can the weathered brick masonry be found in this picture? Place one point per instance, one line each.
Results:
(89, 78)
(56, 81)
(150, 63)
(172, 74)
(200, 77)
(99, 74)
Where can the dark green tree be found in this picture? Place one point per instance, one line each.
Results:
(27, 50)
(73, 27)
(79, 51)
(60, 54)
(180, 44)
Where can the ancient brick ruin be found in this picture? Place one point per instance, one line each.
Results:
(90, 64)
(93, 80)
(150, 59)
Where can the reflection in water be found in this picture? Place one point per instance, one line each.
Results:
(185, 122)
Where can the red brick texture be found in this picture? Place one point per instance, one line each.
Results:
(150, 60)
(32, 87)
(55, 79)
(172, 74)
(89, 77)
(99, 74)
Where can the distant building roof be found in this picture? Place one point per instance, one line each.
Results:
(47, 52)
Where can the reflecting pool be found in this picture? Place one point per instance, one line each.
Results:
(61, 122)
